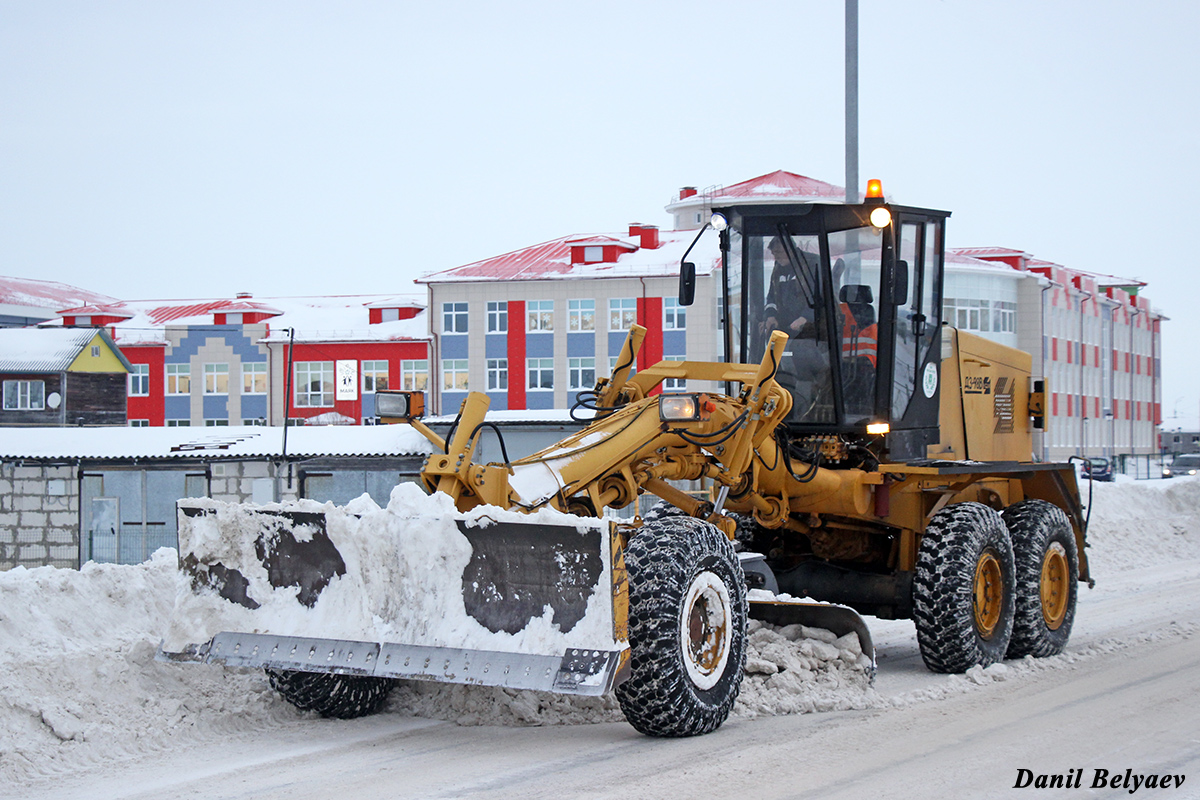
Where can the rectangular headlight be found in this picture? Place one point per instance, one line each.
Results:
(390, 405)
(684, 407)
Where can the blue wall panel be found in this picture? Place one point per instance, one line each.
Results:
(539, 345)
(456, 347)
(581, 345)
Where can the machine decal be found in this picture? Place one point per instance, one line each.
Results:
(929, 380)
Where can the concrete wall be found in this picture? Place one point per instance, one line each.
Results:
(39, 516)
(40, 513)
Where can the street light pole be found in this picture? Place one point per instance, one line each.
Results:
(852, 101)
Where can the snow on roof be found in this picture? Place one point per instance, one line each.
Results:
(331, 318)
(42, 350)
(547, 416)
(233, 442)
(988, 252)
(552, 260)
(778, 186)
(47, 296)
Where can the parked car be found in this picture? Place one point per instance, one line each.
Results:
(1188, 464)
(1098, 469)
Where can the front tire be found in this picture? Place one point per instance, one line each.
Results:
(687, 628)
(1047, 567)
(963, 589)
(337, 696)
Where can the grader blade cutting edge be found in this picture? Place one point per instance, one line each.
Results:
(415, 590)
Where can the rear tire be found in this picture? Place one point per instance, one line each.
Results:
(963, 589)
(337, 696)
(1047, 565)
(687, 628)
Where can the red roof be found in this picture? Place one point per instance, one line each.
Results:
(780, 184)
(98, 310)
(46, 294)
(552, 260)
(246, 306)
(546, 259)
(163, 314)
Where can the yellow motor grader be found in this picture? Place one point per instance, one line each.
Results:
(866, 459)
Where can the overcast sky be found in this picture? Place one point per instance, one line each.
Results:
(194, 149)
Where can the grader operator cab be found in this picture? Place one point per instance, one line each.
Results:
(866, 459)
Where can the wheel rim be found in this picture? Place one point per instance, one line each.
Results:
(989, 594)
(705, 631)
(1055, 586)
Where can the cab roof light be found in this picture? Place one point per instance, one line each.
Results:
(874, 189)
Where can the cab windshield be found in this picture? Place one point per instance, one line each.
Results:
(824, 296)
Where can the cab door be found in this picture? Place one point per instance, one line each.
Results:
(917, 337)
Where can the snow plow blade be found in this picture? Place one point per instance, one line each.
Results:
(840, 620)
(416, 590)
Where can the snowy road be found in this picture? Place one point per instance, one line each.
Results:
(1125, 696)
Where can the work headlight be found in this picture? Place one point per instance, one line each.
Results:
(392, 406)
(684, 407)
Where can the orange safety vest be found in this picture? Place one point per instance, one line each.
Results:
(856, 341)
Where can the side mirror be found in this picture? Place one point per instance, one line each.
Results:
(900, 284)
(687, 283)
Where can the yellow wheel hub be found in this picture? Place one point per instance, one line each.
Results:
(1055, 586)
(989, 594)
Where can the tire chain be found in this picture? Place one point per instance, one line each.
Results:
(662, 559)
(336, 696)
(1034, 525)
(943, 586)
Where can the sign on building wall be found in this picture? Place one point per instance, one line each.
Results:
(347, 380)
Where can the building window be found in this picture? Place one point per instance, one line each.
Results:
(414, 375)
(1004, 317)
(179, 378)
(374, 376)
(497, 374)
(581, 316)
(497, 317)
(622, 313)
(674, 384)
(216, 423)
(314, 384)
(454, 374)
(593, 253)
(582, 373)
(454, 317)
(996, 316)
(539, 315)
(24, 395)
(674, 315)
(254, 378)
(216, 379)
(139, 380)
(255, 421)
(179, 423)
(139, 423)
(95, 351)
(541, 373)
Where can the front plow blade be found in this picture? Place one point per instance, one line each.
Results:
(412, 591)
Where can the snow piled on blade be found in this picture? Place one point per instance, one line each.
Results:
(81, 685)
(403, 578)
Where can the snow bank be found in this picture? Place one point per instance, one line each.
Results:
(81, 685)
(1137, 524)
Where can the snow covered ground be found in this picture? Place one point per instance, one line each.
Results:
(82, 694)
